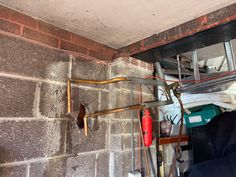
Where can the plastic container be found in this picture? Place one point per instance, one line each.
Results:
(201, 115)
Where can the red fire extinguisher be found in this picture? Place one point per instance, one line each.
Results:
(147, 127)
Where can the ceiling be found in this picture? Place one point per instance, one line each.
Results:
(116, 23)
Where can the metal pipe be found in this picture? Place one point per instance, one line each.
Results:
(68, 97)
(208, 83)
(158, 123)
(229, 55)
(152, 104)
(179, 68)
(100, 82)
(116, 110)
(135, 80)
(132, 130)
(195, 66)
(159, 70)
(85, 81)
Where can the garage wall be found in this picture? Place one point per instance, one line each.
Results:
(38, 138)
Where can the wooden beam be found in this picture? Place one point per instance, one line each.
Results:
(174, 139)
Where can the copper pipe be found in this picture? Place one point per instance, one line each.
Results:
(85, 81)
(118, 79)
(86, 125)
(68, 96)
(115, 110)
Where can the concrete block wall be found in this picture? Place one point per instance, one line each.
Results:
(120, 123)
(37, 138)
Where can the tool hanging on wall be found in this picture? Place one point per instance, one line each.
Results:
(83, 118)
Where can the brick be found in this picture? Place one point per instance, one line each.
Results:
(210, 20)
(52, 100)
(53, 30)
(24, 58)
(123, 127)
(22, 140)
(188, 27)
(172, 34)
(222, 14)
(9, 27)
(16, 97)
(13, 171)
(17, 17)
(133, 48)
(150, 40)
(99, 55)
(88, 43)
(77, 142)
(203, 20)
(65, 45)
(40, 37)
(96, 46)
(52, 168)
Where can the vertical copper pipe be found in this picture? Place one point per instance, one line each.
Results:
(86, 125)
(68, 96)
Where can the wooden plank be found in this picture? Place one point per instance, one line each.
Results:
(174, 139)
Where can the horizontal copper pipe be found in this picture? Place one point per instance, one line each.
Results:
(85, 81)
(110, 111)
(115, 110)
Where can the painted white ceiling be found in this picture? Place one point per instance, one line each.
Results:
(116, 23)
